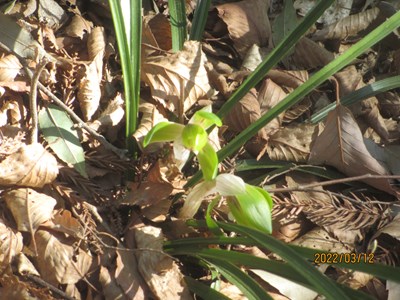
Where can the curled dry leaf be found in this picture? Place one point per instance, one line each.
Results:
(297, 110)
(157, 32)
(89, 93)
(29, 208)
(291, 143)
(10, 243)
(350, 80)
(389, 103)
(169, 76)
(341, 145)
(31, 165)
(12, 112)
(96, 45)
(159, 271)
(244, 113)
(9, 68)
(247, 23)
(59, 262)
(78, 27)
(150, 117)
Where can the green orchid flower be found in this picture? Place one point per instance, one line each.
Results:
(250, 205)
(192, 137)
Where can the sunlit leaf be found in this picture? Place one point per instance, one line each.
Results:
(163, 132)
(208, 161)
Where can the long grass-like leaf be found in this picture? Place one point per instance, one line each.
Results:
(177, 11)
(322, 284)
(249, 287)
(250, 261)
(129, 51)
(358, 95)
(199, 19)
(376, 269)
(204, 291)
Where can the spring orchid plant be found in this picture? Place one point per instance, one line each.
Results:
(250, 205)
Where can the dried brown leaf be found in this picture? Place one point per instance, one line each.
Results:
(10, 244)
(247, 23)
(59, 262)
(244, 113)
(159, 270)
(89, 92)
(78, 27)
(291, 143)
(157, 31)
(270, 95)
(288, 78)
(31, 166)
(297, 110)
(309, 54)
(341, 145)
(389, 104)
(29, 208)
(348, 26)
(9, 68)
(96, 42)
(169, 76)
(150, 117)
(12, 112)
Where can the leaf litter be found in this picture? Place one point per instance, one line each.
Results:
(71, 217)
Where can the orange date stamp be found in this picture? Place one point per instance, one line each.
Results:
(347, 258)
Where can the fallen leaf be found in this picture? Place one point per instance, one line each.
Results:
(78, 27)
(10, 244)
(159, 270)
(9, 68)
(29, 208)
(31, 166)
(184, 71)
(59, 132)
(89, 92)
(341, 145)
(247, 23)
(291, 143)
(59, 261)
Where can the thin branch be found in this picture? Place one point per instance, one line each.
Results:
(51, 287)
(331, 182)
(33, 99)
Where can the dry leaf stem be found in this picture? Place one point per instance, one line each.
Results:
(33, 100)
(331, 182)
(52, 288)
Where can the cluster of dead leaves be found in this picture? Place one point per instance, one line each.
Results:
(49, 224)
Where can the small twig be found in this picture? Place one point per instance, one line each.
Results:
(120, 152)
(330, 182)
(51, 287)
(33, 99)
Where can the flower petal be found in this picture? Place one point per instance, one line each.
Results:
(195, 197)
(163, 132)
(181, 154)
(230, 185)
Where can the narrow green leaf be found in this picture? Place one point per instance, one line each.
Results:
(365, 92)
(58, 130)
(323, 285)
(249, 287)
(211, 224)
(199, 19)
(203, 290)
(177, 11)
(163, 132)
(208, 161)
(250, 261)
